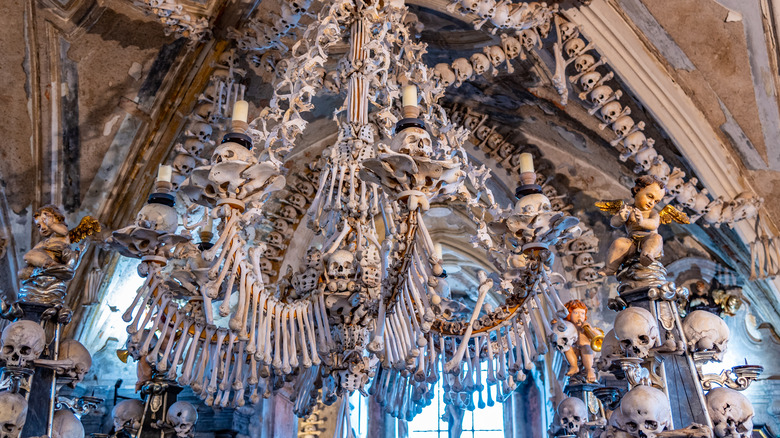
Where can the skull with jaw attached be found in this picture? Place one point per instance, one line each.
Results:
(637, 331)
(573, 414)
(22, 342)
(127, 415)
(413, 141)
(731, 413)
(463, 69)
(182, 416)
(566, 338)
(340, 265)
(480, 63)
(706, 331)
(645, 412)
(13, 414)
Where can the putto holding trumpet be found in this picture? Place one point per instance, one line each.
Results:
(589, 340)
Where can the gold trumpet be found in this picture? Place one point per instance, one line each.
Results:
(123, 355)
(595, 335)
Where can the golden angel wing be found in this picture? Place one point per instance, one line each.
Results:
(612, 207)
(669, 214)
(87, 227)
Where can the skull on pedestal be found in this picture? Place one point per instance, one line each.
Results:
(22, 342)
(66, 425)
(644, 412)
(13, 414)
(573, 414)
(637, 331)
(731, 413)
(706, 331)
(182, 416)
(127, 415)
(413, 141)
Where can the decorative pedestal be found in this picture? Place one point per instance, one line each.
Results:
(646, 287)
(158, 395)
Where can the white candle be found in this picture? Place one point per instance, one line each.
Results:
(164, 173)
(410, 96)
(526, 162)
(240, 110)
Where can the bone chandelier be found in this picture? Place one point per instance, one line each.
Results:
(365, 309)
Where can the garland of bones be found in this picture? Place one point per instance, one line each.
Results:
(217, 370)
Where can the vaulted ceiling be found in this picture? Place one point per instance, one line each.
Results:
(98, 93)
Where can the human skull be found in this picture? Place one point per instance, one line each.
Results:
(74, 351)
(572, 413)
(600, 94)
(645, 412)
(127, 415)
(644, 158)
(700, 201)
(568, 30)
(202, 131)
(566, 338)
(611, 111)
(659, 169)
(511, 46)
(500, 17)
(584, 62)
(589, 80)
(530, 39)
(587, 274)
(637, 331)
(584, 259)
(158, 217)
(193, 146)
(184, 163)
(13, 414)
(634, 142)
(706, 331)
(574, 47)
(532, 204)
(66, 425)
(332, 82)
(340, 265)
(463, 69)
(231, 152)
(731, 413)
(675, 182)
(610, 349)
(413, 141)
(22, 342)
(622, 126)
(495, 54)
(182, 416)
(687, 193)
(480, 63)
(203, 110)
(444, 74)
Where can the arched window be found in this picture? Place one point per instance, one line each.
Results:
(479, 423)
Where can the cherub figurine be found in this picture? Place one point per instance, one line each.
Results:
(641, 224)
(54, 249)
(578, 315)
